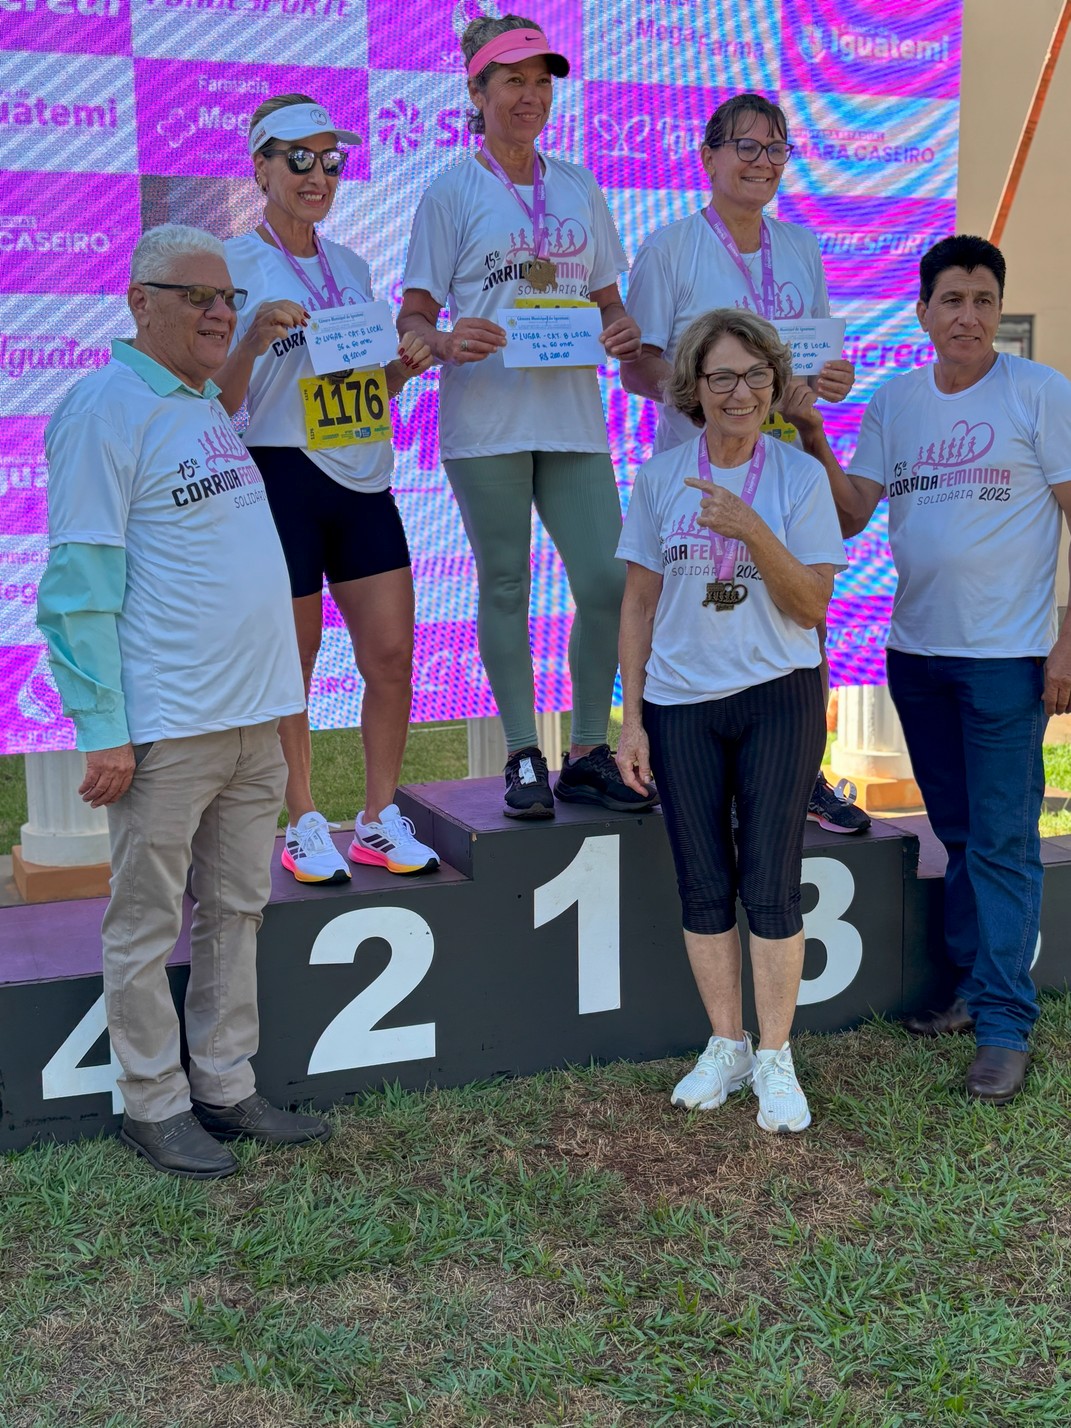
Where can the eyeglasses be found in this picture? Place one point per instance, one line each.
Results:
(303, 161)
(202, 296)
(723, 382)
(749, 150)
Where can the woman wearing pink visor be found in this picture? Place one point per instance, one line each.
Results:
(509, 227)
(322, 443)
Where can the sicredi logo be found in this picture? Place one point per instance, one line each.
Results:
(400, 126)
(21, 234)
(883, 46)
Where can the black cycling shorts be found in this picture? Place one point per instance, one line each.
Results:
(327, 528)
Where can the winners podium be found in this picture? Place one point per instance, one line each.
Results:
(533, 946)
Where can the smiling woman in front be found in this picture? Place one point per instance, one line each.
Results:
(732, 541)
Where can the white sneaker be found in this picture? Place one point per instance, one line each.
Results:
(309, 853)
(721, 1069)
(782, 1105)
(391, 844)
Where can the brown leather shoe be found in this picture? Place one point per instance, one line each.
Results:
(179, 1146)
(256, 1119)
(953, 1019)
(997, 1074)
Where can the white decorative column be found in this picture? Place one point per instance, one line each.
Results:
(871, 751)
(64, 851)
(487, 743)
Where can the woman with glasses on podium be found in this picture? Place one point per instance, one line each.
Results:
(509, 227)
(732, 254)
(732, 541)
(323, 446)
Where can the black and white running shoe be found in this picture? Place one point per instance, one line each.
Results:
(528, 792)
(595, 778)
(834, 809)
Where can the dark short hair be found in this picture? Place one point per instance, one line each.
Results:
(722, 123)
(961, 251)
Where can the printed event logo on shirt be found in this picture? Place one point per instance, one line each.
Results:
(954, 463)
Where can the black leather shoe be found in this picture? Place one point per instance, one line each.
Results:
(179, 1146)
(256, 1119)
(997, 1074)
(953, 1019)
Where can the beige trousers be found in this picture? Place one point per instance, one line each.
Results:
(207, 804)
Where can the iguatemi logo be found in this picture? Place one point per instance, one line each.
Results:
(21, 109)
(884, 46)
(952, 461)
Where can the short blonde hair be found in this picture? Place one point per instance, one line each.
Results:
(758, 336)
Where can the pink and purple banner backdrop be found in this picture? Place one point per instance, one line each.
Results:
(119, 114)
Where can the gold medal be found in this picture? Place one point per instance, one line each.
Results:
(724, 595)
(542, 274)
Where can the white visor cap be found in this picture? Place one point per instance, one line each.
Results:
(297, 121)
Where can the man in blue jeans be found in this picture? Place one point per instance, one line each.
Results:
(974, 455)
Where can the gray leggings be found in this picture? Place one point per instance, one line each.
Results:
(576, 497)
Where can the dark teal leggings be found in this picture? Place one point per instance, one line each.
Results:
(575, 495)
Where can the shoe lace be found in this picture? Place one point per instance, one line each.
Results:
(602, 760)
(720, 1056)
(398, 829)
(778, 1074)
(314, 838)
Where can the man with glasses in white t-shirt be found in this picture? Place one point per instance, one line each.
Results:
(166, 610)
(974, 456)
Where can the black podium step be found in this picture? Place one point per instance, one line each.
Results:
(535, 945)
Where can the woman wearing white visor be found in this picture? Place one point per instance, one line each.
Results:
(323, 445)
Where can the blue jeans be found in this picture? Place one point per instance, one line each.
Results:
(974, 729)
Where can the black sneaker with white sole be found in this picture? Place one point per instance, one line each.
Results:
(595, 779)
(528, 792)
(834, 809)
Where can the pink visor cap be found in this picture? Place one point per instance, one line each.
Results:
(514, 47)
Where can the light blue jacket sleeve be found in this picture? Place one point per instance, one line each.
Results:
(78, 600)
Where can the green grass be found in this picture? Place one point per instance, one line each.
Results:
(569, 1250)
(434, 752)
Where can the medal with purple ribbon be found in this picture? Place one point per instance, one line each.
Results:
(722, 592)
(542, 273)
(334, 293)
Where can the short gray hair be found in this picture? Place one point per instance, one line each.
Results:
(159, 248)
(758, 336)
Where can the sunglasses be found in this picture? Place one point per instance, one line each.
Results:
(303, 161)
(202, 296)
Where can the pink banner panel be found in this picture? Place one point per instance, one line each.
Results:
(872, 47)
(67, 236)
(23, 476)
(80, 27)
(428, 36)
(193, 116)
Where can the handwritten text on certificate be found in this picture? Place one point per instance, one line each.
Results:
(552, 336)
(814, 342)
(354, 335)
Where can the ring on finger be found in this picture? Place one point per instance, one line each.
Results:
(464, 344)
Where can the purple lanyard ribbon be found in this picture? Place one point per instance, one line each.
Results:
(766, 305)
(725, 552)
(334, 295)
(537, 212)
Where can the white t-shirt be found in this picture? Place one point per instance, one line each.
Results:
(276, 411)
(206, 632)
(683, 271)
(470, 243)
(697, 652)
(973, 524)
